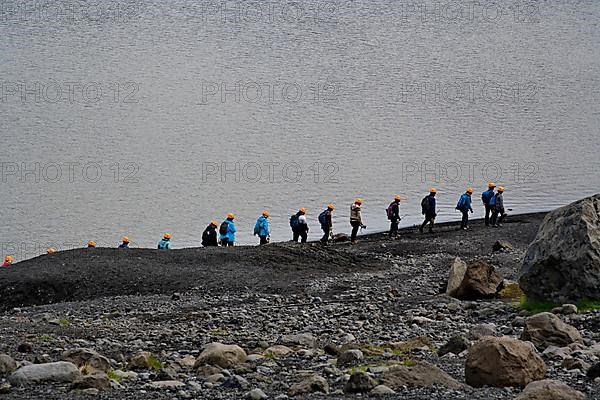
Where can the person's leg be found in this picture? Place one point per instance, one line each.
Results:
(325, 237)
(423, 224)
(431, 220)
(355, 226)
(487, 215)
(296, 236)
(304, 236)
(465, 219)
(494, 217)
(502, 216)
(394, 228)
(263, 240)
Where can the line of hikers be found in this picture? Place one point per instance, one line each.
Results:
(223, 234)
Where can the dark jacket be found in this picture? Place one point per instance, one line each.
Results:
(209, 236)
(395, 208)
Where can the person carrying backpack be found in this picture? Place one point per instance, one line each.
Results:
(326, 221)
(124, 243)
(8, 260)
(356, 219)
(498, 208)
(486, 197)
(464, 206)
(227, 231)
(165, 243)
(299, 225)
(393, 214)
(428, 210)
(261, 228)
(209, 236)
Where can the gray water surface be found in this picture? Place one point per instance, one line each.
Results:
(144, 117)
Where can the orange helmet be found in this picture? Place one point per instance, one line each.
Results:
(331, 206)
(265, 213)
(215, 223)
(125, 239)
(302, 210)
(398, 198)
(230, 216)
(91, 243)
(51, 250)
(501, 189)
(8, 259)
(432, 190)
(491, 185)
(167, 236)
(470, 190)
(358, 200)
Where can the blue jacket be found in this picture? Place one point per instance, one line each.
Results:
(164, 244)
(464, 203)
(262, 226)
(230, 235)
(124, 246)
(487, 196)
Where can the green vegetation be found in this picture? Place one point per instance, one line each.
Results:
(64, 322)
(535, 307)
(113, 376)
(219, 332)
(588, 305)
(154, 363)
(46, 338)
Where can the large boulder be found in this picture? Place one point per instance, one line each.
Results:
(549, 389)
(7, 364)
(360, 382)
(503, 362)
(563, 262)
(87, 357)
(421, 374)
(475, 281)
(61, 371)
(312, 384)
(222, 355)
(546, 329)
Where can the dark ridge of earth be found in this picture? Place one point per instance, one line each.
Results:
(85, 274)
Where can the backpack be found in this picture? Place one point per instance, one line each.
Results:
(461, 203)
(323, 218)
(492, 202)
(294, 222)
(224, 228)
(390, 210)
(425, 205)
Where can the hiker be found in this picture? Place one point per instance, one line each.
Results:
(261, 228)
(227, 231)
(209, 236)
(51, 250)
(165, 243)
(8, 260)
(124, 243)
(498, 208)
(393, 214)
(464, 206)
(299, 225)
(486, 197)
(326, 221)
(356, 219)
(91, 244)
(428, 210)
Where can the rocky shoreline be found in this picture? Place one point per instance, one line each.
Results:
(308, 319)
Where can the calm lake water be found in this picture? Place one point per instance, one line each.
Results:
(144, 117)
